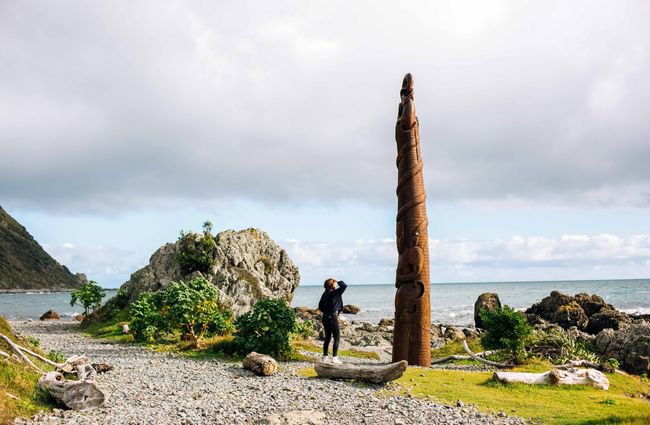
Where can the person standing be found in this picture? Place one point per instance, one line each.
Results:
(331, 305)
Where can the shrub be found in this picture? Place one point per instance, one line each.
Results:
(194, 309)
(266, 329)
(197, 252)
(560, 347)
(89, 296)
(507, 329)
(303, 328)
(191, 308)
(147, 318)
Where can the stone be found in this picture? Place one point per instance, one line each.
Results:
(630, 346)
(487, 301)
(387, 322)
(560, 309)
(607, 318)
(351, 309)
(249, 266)
(591, 304)
(260, 364)
(79, 317)
(50, 315)
(454, 333)
(411, 338)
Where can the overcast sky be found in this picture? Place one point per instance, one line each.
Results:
(123, 122)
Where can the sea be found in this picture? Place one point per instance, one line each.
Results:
(451, 303)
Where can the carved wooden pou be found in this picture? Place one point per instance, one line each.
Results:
(411, 338)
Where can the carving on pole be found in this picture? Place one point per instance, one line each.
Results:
(411, 338)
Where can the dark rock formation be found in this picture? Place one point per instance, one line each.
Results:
(588, 313)
(630, 346)
(24, 264)
(488, 301)
(351, 309)
(50, 315)
(249, 266)
(412, 307)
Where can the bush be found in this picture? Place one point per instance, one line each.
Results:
(191, 308)
(148, 321)
(507, 329)
(89, 296)
(267, 329)
(197, 252)
(560, 347)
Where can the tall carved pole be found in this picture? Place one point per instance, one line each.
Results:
(411, 338)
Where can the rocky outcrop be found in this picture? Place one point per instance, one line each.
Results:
(351, 309)
(630, 346)
(50, 315)
(24, 264)
(488, 301)
(249, 266)
(588, 313)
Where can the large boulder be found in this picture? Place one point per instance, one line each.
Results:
(50, 315)
(630, 346)
(249, 266)
(488, 301)
(588, 313)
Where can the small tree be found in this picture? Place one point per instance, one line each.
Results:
(148, 317)
(267, 329)
(507, 329)
(89, 296)
(197, 251)
(193, 308)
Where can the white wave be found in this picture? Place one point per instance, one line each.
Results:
(637, 310)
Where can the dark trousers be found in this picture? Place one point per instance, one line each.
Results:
(331, 325)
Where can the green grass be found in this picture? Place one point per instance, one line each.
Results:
(19, 380)
(622, 403)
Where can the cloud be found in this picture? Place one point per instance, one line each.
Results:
(157, 103)
(570, 256)
(110, 266)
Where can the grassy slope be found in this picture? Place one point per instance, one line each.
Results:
(20, 381)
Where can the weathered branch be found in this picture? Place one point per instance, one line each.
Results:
(590, 377)
(11, 396)
(38, 356)
(77, 395)
(482, 360)
(460, 357)
(3, 354)
(20, 353)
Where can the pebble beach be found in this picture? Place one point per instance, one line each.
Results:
(147, 387)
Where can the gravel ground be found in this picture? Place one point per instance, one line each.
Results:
(146, 387)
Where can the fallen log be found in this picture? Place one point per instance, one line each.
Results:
(260, 364)
(377, 374)
(482, 360)
(590, 377)
(77, 395)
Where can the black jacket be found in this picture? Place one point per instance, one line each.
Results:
(331, 301)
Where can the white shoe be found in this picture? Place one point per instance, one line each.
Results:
(336, 360)
(325, 359)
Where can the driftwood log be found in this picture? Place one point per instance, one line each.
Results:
(260, 364)
(590, 377)
(77, 395)
(377, 374)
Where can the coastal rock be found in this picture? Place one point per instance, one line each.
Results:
(387, 322)
(589, 313)
(50, 315)
(630, 346)
(453, 333)
(351, 309)
(488, 301)
(249, 266)
(607, 318)
(306, 313)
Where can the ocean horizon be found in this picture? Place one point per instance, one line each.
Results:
(451, 303)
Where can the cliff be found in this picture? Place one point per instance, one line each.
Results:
(24, 264)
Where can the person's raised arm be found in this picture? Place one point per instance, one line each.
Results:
(341, 288)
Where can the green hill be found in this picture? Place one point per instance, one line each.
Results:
(24, 264)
